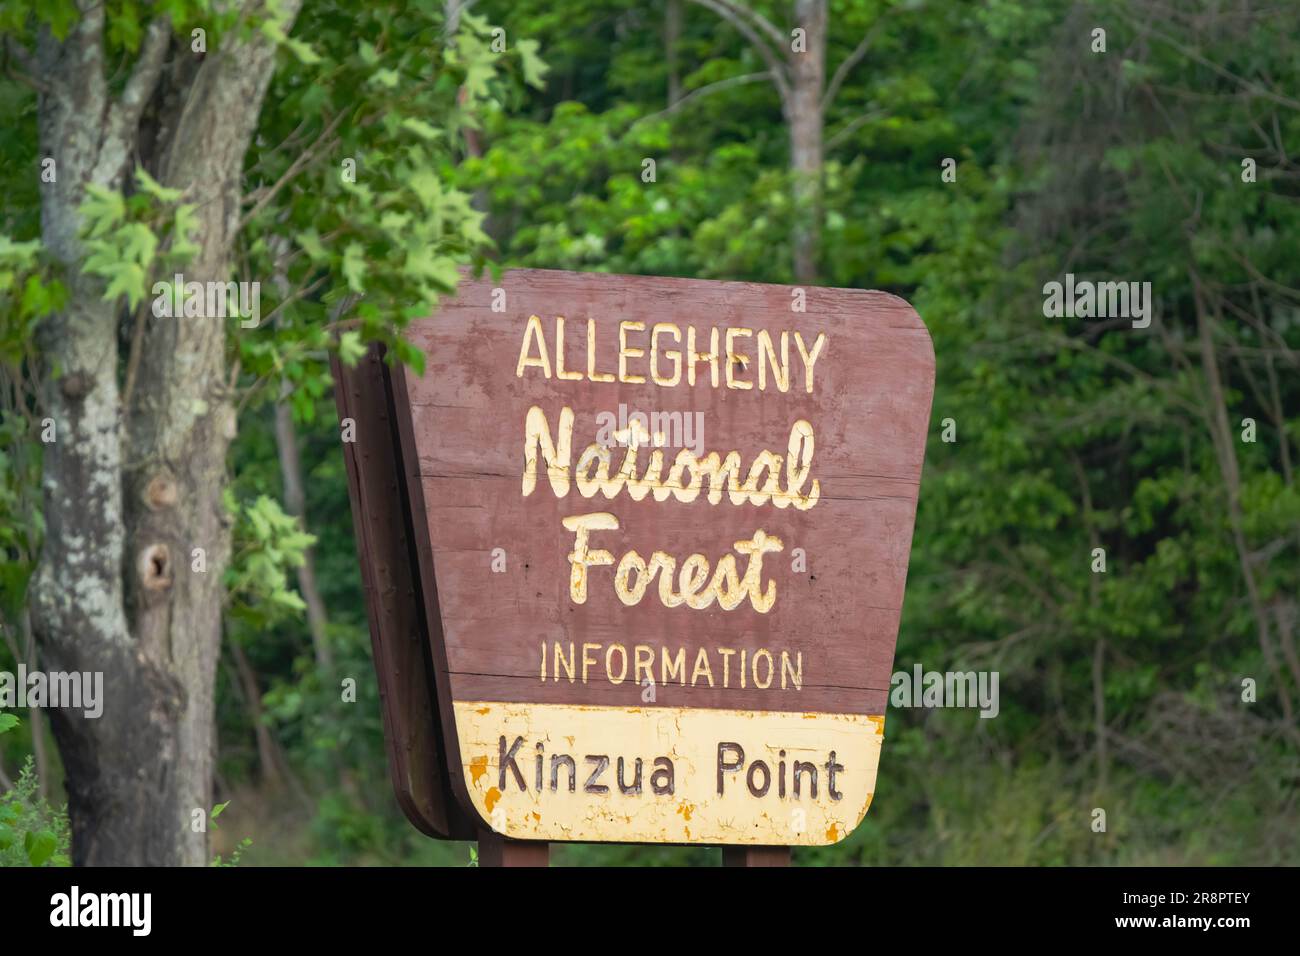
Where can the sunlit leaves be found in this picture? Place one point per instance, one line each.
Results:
(354, 267)
(378, 214)
(122, 236)
(268, 545)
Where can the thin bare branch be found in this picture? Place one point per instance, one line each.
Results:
(1241, 81)
(133, 359)
(853, 59)
(300, 162)
(703, 91)
(30, 71)
(757, 19)
(776, 62)
(147, 70)
(853, 127)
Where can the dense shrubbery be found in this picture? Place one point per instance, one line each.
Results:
(32, 833)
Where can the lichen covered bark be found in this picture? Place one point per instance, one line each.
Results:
(133, 485)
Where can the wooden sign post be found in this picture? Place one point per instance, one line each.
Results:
(659, 533)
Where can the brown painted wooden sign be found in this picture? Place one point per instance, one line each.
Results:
(660, 530)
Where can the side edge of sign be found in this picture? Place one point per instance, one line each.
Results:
(411, 730)
(452, 770)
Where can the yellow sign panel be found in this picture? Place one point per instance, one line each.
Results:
(668, 774)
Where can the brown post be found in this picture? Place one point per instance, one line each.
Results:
(755, 856)
(495, 850)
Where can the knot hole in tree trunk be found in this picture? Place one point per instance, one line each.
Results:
(155, 568)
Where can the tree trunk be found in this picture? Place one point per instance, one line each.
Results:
(804, 118)
(295, 502)
(131, 492)
(37, 718)
(268, 759)
(1226, 454)
(672, 36)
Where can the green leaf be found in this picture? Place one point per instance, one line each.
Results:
(154, 188)
(410, 355)
(386, 78)
(351, 348)
(7, 722)
(302, 51)
(478, 74)
(128, 280)
(290, 600)
(272, 30)
(257, 516)
(61, 15)
(125, 29)
(40, 846)
(102, 209)
(420, 128)
(427, 188)
(534, 69)
(219, 809)
(310, 243)
(354, 267)
(421, 263)
(138, 242)
(474, 23)
(7, 836)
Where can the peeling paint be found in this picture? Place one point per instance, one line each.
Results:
(477, 768)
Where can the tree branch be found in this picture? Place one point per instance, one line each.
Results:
(776, 63)
(452, 9)
(124, 115)
(144, 78)
(704, 91)
(27, 62)
(300, 162)
(853, 127)
(853, 59)
(1191, 54)
(756, 19)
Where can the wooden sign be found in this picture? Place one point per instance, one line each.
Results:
(662, 529)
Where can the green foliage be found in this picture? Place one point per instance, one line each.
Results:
(376, 223)
(237, 854)
(28, 293)
(268, 543)
(128, 241)
(32, 833)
